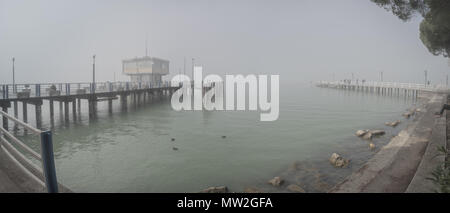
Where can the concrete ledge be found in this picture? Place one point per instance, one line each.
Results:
(431, 159)
(395, 165)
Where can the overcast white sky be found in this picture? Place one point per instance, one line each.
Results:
(302, 40)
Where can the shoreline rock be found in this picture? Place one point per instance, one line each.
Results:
(276, 181)
(295, 188)
(337, 161)
(215, 189)
(392, 124)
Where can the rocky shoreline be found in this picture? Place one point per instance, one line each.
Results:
(301, 177)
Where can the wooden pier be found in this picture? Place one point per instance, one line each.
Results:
(67, 94)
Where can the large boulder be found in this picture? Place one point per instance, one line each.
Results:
(276, 181)
(295, 188)
(215, 189)
(337, 161)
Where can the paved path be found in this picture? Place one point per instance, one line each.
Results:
(6, 184)
(394, 167)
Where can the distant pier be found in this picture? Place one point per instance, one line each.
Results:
(384, 88)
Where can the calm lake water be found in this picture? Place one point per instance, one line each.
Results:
(132, 151)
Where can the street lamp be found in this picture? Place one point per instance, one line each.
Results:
(426, 73)
(14, 75)
(93, 74)
(193, 64)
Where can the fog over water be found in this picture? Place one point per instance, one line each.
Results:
(303, 41)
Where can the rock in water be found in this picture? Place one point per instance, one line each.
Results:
(295, 188)
(252, 190)
(377, 132)
(372, 146)
(173, 139)
(361, 133)
(337, 161)
(368, 136)
(174, 148)
(407, 114)
(276, 181)
(215, 189)
(392, 124)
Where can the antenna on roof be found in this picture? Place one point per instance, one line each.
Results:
(146, 45)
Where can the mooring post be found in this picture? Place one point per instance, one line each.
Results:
(48, 162)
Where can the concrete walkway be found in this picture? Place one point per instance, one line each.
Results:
(6, 184)
(395, 166)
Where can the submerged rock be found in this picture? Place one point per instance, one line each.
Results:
(337, 161)
(368, 136)
(215, 189)
(372, 146)
(361, 132)
(392, 124)
(295, 188)
(408, 114)
(174, 148)
(276, 181)
(377, 132)
(173, 139)
(252, 190)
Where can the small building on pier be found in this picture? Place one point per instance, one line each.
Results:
(146, 69)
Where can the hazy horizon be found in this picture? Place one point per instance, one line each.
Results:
(302, 41)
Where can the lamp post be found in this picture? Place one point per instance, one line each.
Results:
(93, 74)
(14, 75)
(426, 73)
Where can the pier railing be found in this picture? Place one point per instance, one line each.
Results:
(10, 91)
(410, 86)
(46, 174)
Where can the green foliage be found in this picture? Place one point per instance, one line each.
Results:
(441, 175)
(434, 29)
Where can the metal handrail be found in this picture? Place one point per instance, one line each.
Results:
(46, 157)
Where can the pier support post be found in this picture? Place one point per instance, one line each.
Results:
(5, 120)
(74, 109)
(25, 111)
(92, 107)
(110, 103)
(79, 105)
(16, 111)
(52, 113)
(123, 101)
(66, 110)
(61, 111)
(38, 110)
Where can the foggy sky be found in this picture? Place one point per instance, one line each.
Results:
(303, 41)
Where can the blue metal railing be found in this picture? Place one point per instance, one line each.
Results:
(48, 172)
